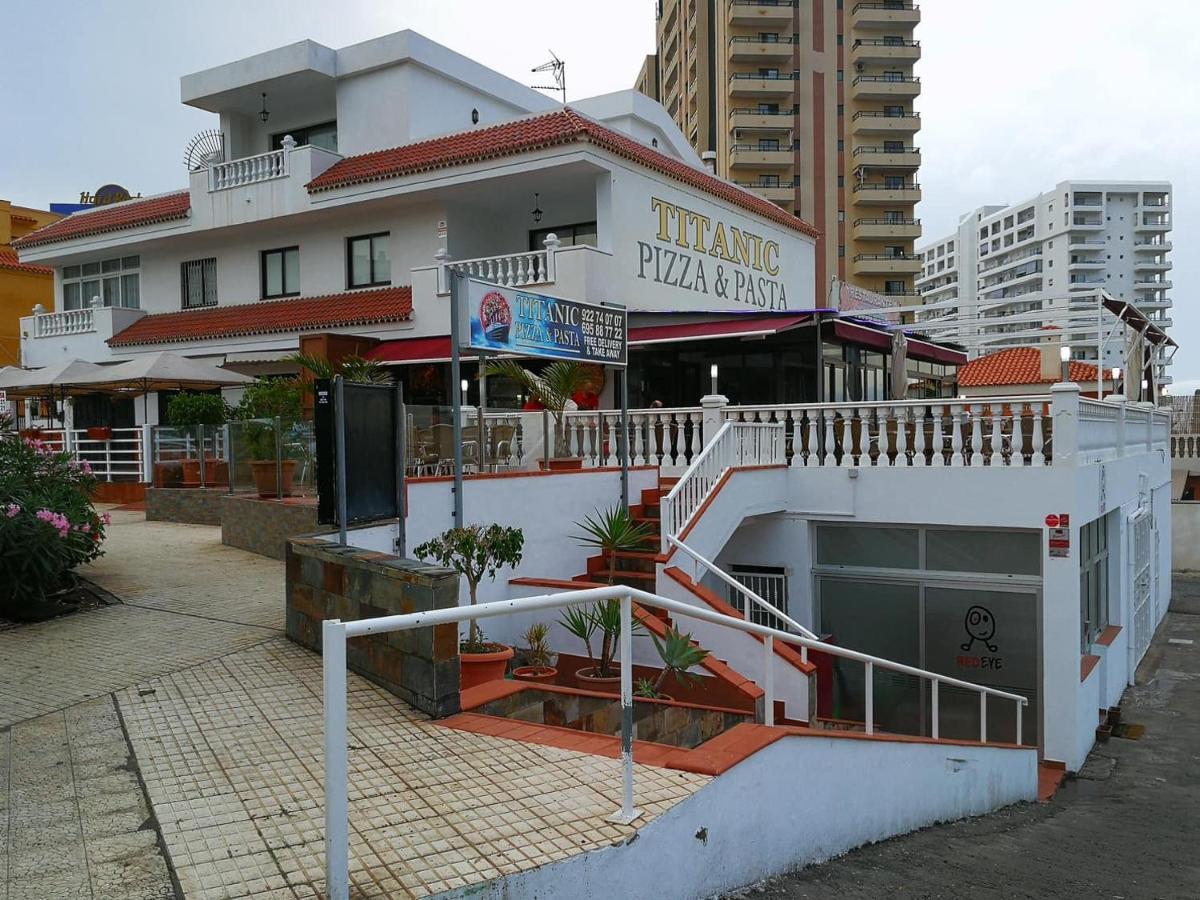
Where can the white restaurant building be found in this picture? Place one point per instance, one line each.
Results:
(882, 523)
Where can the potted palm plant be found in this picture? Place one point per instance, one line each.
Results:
(613, 531)
(678, 654)
(476, 552)
(537, 658)
(553, 389)
(271, 399)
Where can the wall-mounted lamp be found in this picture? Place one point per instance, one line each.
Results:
(712, 373)
(537, 208)
(265, 113)
(474, 117)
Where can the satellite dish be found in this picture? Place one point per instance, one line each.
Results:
(204, 149)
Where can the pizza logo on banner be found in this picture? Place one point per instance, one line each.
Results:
(495, 316)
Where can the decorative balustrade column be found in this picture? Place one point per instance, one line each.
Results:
(1064, 411)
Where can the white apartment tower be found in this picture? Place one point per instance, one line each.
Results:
(1052, 251)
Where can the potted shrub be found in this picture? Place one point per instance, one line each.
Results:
(476, 552)
(602, 672)
(613, 531)
(271, 399)
(537, 658)
(552, 389)
(678, 655)
(188, 410)
(48, 526)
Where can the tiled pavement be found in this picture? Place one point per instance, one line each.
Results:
(223, 717)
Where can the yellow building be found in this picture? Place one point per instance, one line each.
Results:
(22, 286)
(810, 105)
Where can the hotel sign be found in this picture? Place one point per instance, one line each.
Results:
(702, 254)
(508, 320)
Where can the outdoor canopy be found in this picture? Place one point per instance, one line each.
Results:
(159, 372)
(48, 381)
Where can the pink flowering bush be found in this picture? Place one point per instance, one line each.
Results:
(48, 525)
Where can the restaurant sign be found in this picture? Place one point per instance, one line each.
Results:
(510, 320)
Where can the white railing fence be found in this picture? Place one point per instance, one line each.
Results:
(335, 633)
(248, 170)
(67, 321)
(734, 444)
(1001, 431)
(1185, 446)
(509, 270)
(112, 455)
(666, 437)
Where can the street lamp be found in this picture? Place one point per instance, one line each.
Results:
(1116, 378)
(1064, 354)
(712, 373)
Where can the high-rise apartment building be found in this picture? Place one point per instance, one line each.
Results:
(1004, 265)
(811, 105)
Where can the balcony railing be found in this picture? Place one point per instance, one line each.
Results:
(747, 39)
(887, 4)
(248, 170)
(885, 42)
(873, 186)
(898, 257)
(887, 222)
(509, 270)
(886, 79)
(880, 114)
(756, 76)
(890, 151)
(69, 321)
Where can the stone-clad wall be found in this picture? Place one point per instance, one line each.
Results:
(325, 580)
(193, 506)
(264, 526)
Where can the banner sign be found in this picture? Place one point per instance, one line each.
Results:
(510, 320)
(851, 298)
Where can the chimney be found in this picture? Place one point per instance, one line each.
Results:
(710, 161)
(1049, 348)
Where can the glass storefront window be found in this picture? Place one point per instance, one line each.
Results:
(1002, 552)
(866, 546)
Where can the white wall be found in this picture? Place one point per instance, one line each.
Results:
(1185, 535)
(802, 800)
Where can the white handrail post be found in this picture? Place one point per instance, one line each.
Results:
(1020, 721)
(869, 693)
(337, 807)
(768, 679)
(983, 717)
(627, 813)
(147, 448)
(933, 709)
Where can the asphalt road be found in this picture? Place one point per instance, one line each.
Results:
(1128, 827)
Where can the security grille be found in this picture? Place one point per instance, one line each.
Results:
(768, 582)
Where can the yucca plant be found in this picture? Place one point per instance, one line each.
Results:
(613, 530)
(552, 388)
(604, 617)
(678, 655)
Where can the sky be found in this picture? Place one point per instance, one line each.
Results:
(1014, 97)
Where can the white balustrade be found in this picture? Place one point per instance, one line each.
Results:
(1185, 446)
(68, 321)
(248, 170)
(509, 270)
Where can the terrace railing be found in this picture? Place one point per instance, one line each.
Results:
(67, 321)
(248, 170)
(335, 633)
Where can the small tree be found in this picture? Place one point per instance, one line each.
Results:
(475, 552)
(188, 409)
(266, 399)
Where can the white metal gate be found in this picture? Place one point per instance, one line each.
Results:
(1140, 525)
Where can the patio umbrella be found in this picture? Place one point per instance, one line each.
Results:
(162, 371)
(899, 385)
(47, 381)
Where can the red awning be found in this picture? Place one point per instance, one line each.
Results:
(882, 340)
(437, 349)
(750, 326)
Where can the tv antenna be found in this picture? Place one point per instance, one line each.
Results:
(559, 68)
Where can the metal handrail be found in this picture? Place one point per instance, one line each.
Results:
(741, 588)
(334, 634)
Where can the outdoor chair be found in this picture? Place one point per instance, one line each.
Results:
(443, 440)
(500, 445)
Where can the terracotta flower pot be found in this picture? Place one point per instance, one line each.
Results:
(543, 674)
(191, 473)
(586, 678)
(264, 476)
(475, 669)
(216, 472)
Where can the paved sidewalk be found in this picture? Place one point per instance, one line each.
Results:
(187, 599)
(1126, 828)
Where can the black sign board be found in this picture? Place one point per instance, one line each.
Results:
(373, 417)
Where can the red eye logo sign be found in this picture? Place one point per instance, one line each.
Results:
(495, 317)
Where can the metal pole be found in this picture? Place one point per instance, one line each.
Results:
(200, 442)
(869, 694)
(481, 449)
(934, 724)
(456, 287)
(227, 442)
(278, 459)
(1020, 721)
(982, 717)
(623, 439)
(337, 807)
(401, 439)
(339, 438)
(768, 678)
(627, 813)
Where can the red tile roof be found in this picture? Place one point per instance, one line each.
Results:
(118, 216)
(393, 304)
(1017, 365)
(8, 260)
(538, 132)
